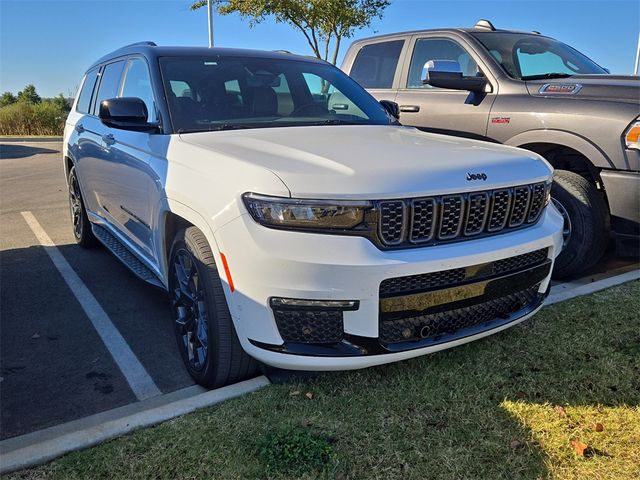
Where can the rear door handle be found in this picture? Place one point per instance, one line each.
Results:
(79, 128)
(109, 139)
(410, 108)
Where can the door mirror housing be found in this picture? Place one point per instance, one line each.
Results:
(392, 108)
(126, 113)
(448, 74)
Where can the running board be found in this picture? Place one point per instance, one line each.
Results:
(123, 254)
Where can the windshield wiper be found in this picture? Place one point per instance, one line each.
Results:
(214, 128)
(543, 76)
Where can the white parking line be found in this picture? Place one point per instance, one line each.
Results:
(139, 380)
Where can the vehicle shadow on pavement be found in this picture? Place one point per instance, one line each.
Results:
(13, 151)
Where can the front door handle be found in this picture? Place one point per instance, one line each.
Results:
(109, 139)
(410, 108)
(79, 128)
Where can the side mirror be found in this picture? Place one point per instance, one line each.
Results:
(126, 113)
(448, 74)
(392, 108)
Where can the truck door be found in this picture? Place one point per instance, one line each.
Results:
(439, 110)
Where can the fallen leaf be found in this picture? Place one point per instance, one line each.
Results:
(562, 413)
(515, 444)
(309, 395)
(35, 335)
(294, 393)
(521, 395)
(579, 447)
(599, 427)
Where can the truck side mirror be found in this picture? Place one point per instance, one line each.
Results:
(448, 74)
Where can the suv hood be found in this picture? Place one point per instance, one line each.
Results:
(371, 162)
(613, 88)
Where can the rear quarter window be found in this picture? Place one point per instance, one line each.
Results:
(84, 99)
(375, 65)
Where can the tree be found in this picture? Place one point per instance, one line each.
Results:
(29, 95)
(7, 98)
(61, 103)
(322, 22)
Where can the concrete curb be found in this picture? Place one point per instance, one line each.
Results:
(44, 445)
(566, 291)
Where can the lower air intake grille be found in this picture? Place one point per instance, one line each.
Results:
(309, 326)
(455, 276)
(432, 325)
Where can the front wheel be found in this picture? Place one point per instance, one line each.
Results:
(586, 223)
(204, 329)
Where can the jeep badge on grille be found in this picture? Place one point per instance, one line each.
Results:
(476, 176)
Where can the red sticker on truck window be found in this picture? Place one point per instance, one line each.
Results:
(500, 119)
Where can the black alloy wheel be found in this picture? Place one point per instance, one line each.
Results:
(190, 310)
(204, 330)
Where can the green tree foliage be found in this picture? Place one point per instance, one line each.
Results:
(29, 95)
(324, 23)
(61, 103)
(7, 98)
(27, 114)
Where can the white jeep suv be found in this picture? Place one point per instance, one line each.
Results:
(292, 220)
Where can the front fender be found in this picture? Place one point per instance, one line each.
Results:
(560, 137)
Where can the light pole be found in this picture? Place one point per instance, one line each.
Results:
(635, 69)
(210, 15)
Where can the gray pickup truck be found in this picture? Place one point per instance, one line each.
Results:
(531, 91)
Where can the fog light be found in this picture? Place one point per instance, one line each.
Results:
(279, 302)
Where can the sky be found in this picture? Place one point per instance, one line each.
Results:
(50, 43)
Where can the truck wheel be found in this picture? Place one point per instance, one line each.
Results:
(81, 227)
(204, 329)
(586, 223)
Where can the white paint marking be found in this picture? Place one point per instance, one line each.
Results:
(139, 380)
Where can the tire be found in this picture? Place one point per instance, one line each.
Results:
(586, 220)
(216, 359)
(82, 232)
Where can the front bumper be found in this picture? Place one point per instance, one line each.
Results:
(266, 263)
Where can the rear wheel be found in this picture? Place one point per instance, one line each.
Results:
(586, 223)
(204, 329)
(81, 226)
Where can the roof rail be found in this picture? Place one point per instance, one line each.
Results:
(485, 25)
(281, 51)
(147, 43)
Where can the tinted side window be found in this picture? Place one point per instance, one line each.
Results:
(137, 83)
(109, 84)
(375, 65)
(438, 49)
(84, 100)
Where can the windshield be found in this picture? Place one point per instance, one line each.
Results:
(223, 93)
(530, 57)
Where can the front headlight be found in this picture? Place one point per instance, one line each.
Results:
(305, 214)
(632, 136)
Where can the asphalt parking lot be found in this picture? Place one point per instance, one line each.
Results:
(55, 367)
